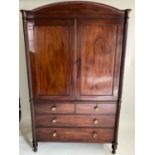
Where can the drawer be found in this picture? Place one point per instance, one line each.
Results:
(52, 108)
(75, 120)
(72, 134)
(96, 108)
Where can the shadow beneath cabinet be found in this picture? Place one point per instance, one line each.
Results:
(26, 132)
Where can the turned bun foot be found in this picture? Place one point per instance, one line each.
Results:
(35, 145)
(35, 149)
(114, 147)
(113, 151)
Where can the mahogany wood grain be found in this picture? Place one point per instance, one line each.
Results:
(75, 121)
(52, 60)
(72, 134)
(43, 108)
(98, 55)
(50, 57)
(96, 108)
(74, 10)
(99, 51)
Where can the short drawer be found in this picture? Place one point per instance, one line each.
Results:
(52, 108)
(71, 134)
(96, 108)
(75, 120)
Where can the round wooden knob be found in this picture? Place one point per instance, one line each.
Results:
(96, 108)
(54, 134)
(53, 108)
(54, 120)
(94, 134)
(95, 121)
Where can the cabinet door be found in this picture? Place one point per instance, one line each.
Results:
(50, 51)
(99, 44)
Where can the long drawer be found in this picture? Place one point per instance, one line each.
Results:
(72, 134)
(75, 120)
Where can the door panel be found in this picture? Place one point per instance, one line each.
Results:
(94, 75)
(52, 58)
(97, 46)
(98, 54)
(52, 55)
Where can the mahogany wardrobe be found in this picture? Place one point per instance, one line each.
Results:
(75, 53)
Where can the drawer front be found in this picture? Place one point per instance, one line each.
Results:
(96, 108)
(71, 134)
(75, 120)
(52, 108)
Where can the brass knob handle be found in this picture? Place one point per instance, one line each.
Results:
(54, 134)
(53, 108)
(96, 108)
(94, 134)
(54, 120)
(95, 121)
